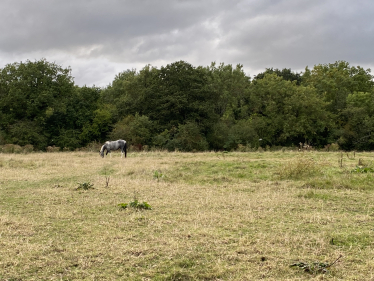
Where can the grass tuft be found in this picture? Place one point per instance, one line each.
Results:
(299, 168)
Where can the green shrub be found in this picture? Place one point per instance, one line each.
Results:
(157, 175)
(136, 205)
(85, 186)
(360, 169)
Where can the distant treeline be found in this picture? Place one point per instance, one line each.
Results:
(189, 108)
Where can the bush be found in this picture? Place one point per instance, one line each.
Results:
(242, 133)
(299, 168)
(136, 205)
(53, 149)
(334, 147)
(85, 186)
(189, 138)
(28, 148)
(136, 129)
(12, 148)
(93, 146)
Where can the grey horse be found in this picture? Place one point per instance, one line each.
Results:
(114, 145)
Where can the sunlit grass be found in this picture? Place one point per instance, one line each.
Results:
(214, 216)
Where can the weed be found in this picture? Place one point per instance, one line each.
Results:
(85, 186)
(123, 205)
(157, 175)
(136, 205)
(315, 267)
(107, 172)
(362, 170)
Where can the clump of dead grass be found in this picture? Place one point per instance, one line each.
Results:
(299, 168)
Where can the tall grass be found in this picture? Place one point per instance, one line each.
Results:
(299, 168)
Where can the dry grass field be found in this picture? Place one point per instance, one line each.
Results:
(214, 216)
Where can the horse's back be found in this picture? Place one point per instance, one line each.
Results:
(121, 141)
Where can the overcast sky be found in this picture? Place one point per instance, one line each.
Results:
(98, 39)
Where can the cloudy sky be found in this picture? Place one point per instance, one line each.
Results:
(98, 39)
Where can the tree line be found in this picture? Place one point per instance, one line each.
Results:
(180, 106)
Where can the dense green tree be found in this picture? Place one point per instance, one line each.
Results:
(136, 130)
(98, 129)
(189, 108)
(291, 113)
(31, 93)
(190, 138)
(231, 89)
(335, 81)
(357, 132)
(65, 127)
(285, 73)
(179, 95)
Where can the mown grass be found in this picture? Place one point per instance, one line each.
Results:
(214, 216)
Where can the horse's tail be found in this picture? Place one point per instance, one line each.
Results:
(125, 149)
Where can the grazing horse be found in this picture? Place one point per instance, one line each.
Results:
(114, 145)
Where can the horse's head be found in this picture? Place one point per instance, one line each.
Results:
(101, 152)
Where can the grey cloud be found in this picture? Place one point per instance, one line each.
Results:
(104, 36)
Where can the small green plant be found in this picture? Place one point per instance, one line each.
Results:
(136, 205)
(157, 175)
(123, 205)
(85, 186)
(315, 267)
(360, 169)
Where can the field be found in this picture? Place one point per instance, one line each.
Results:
(214, 216)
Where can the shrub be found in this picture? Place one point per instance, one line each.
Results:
(136, 205)
(299, 168)
(334, 147)
(190, 138)
(85, 186)
(28, 148)
(11, 148)
(362, 170)
(53, 149)
(93, 147)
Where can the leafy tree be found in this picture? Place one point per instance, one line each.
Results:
(31, 94)
(180, 95)
(244, 133)
(291, 113)
(335, 81)
(285, 73)
(218, 134)
(136, 130)
(231, 89)
(357, 133)
(190, 138)
(97, 130)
